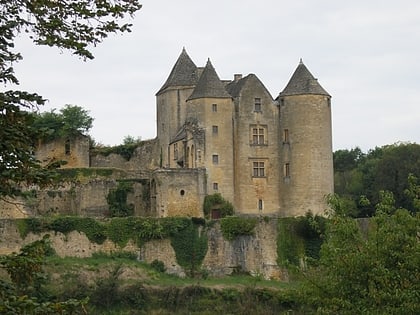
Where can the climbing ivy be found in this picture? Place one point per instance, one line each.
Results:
(190, 246)
(299, 238)
(233, 227)
(117, 200)
(216, 201)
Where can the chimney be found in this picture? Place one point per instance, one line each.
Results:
(237, 77)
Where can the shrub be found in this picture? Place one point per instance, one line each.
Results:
(233, 227)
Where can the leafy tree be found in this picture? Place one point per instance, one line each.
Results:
(71, 121)
(22, 295)
(66, 24)
(377, 273)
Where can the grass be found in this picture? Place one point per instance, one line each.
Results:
(149, 276)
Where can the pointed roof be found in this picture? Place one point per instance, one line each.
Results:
(303, 82)
(184, 72)
(234, 88)
(209, 85)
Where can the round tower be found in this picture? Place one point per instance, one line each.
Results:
(306, 145)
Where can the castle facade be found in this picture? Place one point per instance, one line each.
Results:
(266, 156)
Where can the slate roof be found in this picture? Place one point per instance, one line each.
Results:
(209, 85)
(234, 87)
(184, 72)
(303, 82)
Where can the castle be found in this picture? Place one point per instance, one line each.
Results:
(266, 156)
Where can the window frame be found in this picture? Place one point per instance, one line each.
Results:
(257, 105)
(258, 169)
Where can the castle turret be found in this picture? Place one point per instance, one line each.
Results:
(212, 107)
(170, 101)
(306, 150)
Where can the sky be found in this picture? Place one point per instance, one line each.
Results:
(366, 54)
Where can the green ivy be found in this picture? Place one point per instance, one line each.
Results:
(216, 201)
(117, 200)
(93, 229)
(233, 227)
(190, 248)
(298, 238)
(27, 225)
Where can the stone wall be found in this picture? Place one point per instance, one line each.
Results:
(145, 157)
(254, 254)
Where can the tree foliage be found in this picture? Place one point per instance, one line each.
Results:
(358, 176)
(377, 273)
(69, 25)
(70, 121)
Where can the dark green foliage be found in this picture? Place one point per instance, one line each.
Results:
(377, 273)
(126, 150)
(299, 238)
(106, 293)
(117, 200)
(233, 227)
(93, 229)
(158, 265)
(26, 293)
(27, 225)
(190, 247)
(70, 122)
(383, 168)
(216, 201)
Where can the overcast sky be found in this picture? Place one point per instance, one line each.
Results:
(366, 54)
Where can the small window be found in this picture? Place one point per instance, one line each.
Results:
(286, 136)
(215, 186)
(260, 204)
(67, 147)
(215, 130)
(182, 192)
(214, 108)
(257, 104)
(215, 159)
(175, 151)
(258, 169)
(287, 170)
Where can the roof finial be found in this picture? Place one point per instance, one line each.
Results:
(300, 61)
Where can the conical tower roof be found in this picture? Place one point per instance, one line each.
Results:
(209, 85)
(184, 72)
(303, 82)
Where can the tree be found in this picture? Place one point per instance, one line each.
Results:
(69, 25)
(71, 121)
(377, 272)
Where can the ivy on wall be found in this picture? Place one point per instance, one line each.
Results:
(233, 227)
(117, 200)
(299, 238)
(189, 244)
(216, 201)
(190, 247)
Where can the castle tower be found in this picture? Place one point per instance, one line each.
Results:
(211, 106)
(170, 101)
(306, 145)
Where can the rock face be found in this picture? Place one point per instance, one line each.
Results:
(256, 254)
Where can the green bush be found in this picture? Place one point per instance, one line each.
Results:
(158, 265)
(117, 200)
(233, 227)
(217, 201)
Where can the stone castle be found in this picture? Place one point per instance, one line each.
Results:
(266, 156)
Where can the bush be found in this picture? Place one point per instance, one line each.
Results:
(233, 227)
(216, 201)
(158, 265)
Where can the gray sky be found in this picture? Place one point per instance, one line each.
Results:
(364, 53)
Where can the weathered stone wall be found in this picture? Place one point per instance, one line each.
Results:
(178, 192)
(75, 151)
(254, 254)
(145, 157)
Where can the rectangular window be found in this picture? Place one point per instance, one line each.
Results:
(215, 130)
(215, 159)
(258, 136)
(260, 204)
(214, 108)
(257, 104)
(286, 136)
(287, 170)
(258, 169)
(215, 186)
